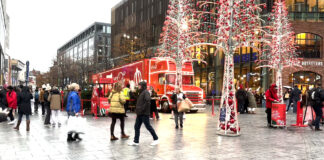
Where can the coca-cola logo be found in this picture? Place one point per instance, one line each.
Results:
(120, 76)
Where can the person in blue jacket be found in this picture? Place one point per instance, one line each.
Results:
(73, 109)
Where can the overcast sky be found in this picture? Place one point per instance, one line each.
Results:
(39, 27)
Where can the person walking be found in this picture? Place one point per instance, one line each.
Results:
(73, 108)
(126, 94)
(317, 96)
(55, 106)
(24, 107)
(295, 97)
(271, 97)
(286, 98)
(12, 104)
(177, 98)
(41, 99)
(47, 106)
(3, 97)
(117, 111)
(241, 97)
(154, 97)
(143, 113)
(36, 100)
(252, 103)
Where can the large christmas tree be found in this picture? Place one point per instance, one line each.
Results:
(238, 25)
(281, 50)
(175, 38)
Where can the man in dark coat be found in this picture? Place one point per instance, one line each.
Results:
(24, 106)
(241, 97)
(143, 105)
(47, 106)
(295, 97)
(3, 97)
(317, 103)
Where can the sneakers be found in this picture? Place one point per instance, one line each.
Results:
(155, 142)
(12, 122)
(133, 143)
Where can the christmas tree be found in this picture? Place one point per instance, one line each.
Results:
(176, 36)
(281, 52)
(238, 25)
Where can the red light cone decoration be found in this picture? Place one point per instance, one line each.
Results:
(238, 25)
(282, 50)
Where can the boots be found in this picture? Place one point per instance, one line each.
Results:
(18, 124)
(113, 138)
(124, 136)
(27, 125)
(77, 137)
(70, 137)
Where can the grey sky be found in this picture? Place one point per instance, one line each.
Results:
(39, 27)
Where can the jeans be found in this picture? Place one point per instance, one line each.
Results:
(10, 115)
(269, 115)
(178, 115)
(287, 104)
(36, 105)
(295, 106)
(241, 107)
(48, 115)
(55, 116)
(43, 108)
(126, 106)
(146, 120)
(21, 115)
(319, 113)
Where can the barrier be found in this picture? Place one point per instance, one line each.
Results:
(213, 104)
(299, 118)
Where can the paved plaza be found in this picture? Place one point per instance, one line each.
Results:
(196, 141)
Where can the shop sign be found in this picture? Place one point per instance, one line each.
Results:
(312, 63)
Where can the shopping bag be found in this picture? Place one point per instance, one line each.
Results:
(189, 102)
(183, 106)
(308, 114)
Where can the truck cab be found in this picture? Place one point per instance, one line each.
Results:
(163, 77)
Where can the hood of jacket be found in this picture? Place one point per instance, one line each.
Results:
(143, 85)
(273, 89)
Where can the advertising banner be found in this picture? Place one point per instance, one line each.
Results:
(278, 114)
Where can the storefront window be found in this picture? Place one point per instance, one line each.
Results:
(309, 45)
(305, 79)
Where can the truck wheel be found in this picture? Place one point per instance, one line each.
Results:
(165, 107)
(193, 111)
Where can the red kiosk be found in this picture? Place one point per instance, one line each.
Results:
(99, 100)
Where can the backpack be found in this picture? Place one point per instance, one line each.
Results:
(36, 95)
(316, 94)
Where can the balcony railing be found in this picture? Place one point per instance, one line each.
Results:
(307, 16)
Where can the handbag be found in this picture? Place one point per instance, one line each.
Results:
(183, 106)
(187, 100)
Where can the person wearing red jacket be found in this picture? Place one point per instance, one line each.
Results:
(12, 104)
(271, 97)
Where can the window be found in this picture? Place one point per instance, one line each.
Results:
(142, 4)
(171, 78)
(141, 15)
(161, 78)
(91, 50)
(75, 54)
(305, 5)
(160, 7)
(108, 29)
(85, 51)
(80, 52)
(126, 11)
(121, 14)
(133, 8)
(309, 45)
(152, 11)
(187, 80)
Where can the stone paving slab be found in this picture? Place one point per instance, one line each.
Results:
(198, 140)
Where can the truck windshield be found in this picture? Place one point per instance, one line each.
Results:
(187, 80)
(171, 78)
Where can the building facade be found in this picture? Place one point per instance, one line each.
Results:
(87, 53)
(136, 26)
(136, 18)
(18, 72)
(4, 39)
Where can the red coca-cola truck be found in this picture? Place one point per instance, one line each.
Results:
(160, 73)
